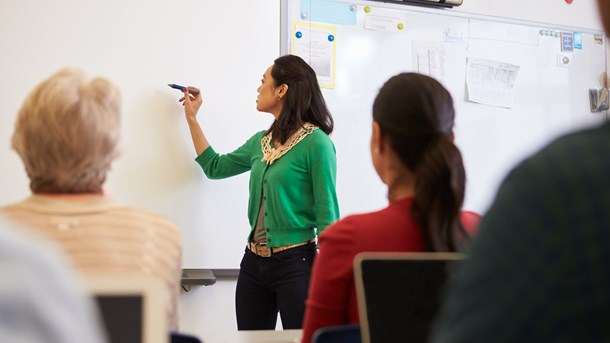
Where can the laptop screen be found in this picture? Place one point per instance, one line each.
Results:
(122, 317)
(398, 293)
(132, 308)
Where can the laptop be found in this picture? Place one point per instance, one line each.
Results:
(132, 308)
(399, 293)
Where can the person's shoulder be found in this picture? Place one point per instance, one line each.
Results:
(592, 133)
(571, 154)
(258, 134)
(589, 139)
(318, 134)
(23, 245)
(573, 166)
(141, 217)
(343, 231)
(26, 250)
(319, 140)
(358, 222)
(41, 286)
(15, 207)
(144, 214)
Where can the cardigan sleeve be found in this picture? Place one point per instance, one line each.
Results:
(217, 166)
(323, 173)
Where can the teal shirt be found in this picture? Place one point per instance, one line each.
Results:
(299, 187)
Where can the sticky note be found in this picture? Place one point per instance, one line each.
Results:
(331, 12)
(567, 41)
(577, 40)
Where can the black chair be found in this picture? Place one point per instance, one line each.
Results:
(338, 334)
(183, 338)
(399, 293)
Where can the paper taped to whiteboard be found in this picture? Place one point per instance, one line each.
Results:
(379, 23)
(491, 82)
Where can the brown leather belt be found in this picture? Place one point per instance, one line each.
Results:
(263, 250)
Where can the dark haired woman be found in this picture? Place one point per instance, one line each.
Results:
(292, 192)
(413, 153)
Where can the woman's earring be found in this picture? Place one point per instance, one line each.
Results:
(279, 98)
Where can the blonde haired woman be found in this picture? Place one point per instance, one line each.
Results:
(66, 133)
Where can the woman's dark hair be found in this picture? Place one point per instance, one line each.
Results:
(303, 101)
(416, 113)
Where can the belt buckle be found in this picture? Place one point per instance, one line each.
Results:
(264, 250)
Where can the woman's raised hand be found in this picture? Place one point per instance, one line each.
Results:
(191, 103)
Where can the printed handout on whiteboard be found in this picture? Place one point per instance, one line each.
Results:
(490, 82)
(315, 43)
(430, 58)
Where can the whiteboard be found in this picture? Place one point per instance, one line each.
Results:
(549, 98)
(223, 47)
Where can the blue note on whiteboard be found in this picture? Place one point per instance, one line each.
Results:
(330, 12)
(577, 40)
(567, 41)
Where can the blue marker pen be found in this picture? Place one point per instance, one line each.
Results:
(191, 90)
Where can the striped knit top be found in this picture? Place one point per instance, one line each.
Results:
(100, 236)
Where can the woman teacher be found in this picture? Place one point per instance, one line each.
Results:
(292, 198)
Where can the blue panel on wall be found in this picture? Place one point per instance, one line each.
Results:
(330, 12)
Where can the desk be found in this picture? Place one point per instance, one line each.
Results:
(259, 336)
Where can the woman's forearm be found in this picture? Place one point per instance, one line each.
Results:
(199, 140)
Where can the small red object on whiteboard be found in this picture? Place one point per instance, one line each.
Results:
(569, 2)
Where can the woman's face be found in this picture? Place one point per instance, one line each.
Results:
(269, 97)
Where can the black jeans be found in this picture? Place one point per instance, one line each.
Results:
(267, 285)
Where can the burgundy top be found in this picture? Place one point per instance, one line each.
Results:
(332, 294)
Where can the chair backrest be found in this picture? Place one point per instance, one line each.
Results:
(338, 334)
(133, 308)
(399, 293)
(177, 337)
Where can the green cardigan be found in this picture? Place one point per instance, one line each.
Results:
(299, 187)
